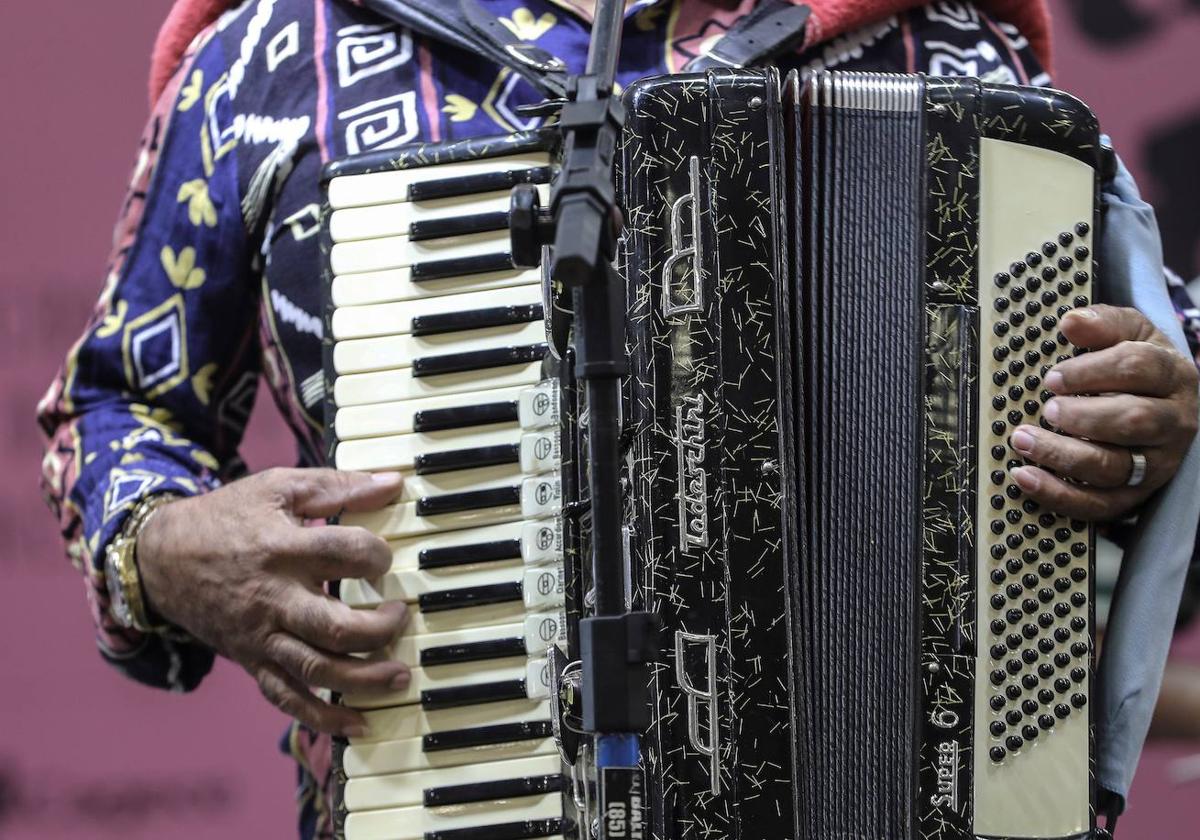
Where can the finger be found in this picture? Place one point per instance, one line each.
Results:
(1123, 419)
(330, 625)
(347, 674)
(295, 700)
(335, 552)
(1099, 325)
(1131, 367)
(318, 493)
(1096, 464)
(1092, 504)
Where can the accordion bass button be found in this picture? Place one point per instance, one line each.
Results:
(1002, 279)
(997, 728)
(1082, 228)
(1062, 659)
(1066, 238)
(1013, 692)
(1045, 721)
(1078, 700)
(1029, 732)
(1014, 743)
(1049, 248)
(997, 702)
(997, 754)
(1078, 599)
(1013, 717)
(1062, 711)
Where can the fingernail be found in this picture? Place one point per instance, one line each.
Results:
(1022, 441)
(385, 477)
(355, 731)
(1050, 412)
(1055, 382)
(1026, 478)
(401, 681)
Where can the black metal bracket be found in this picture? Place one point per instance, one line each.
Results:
(582, 226)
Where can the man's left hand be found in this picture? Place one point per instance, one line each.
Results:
(1134, 393)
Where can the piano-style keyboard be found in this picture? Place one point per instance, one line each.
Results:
(434, 357)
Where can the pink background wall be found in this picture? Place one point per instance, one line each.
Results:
(86, 754)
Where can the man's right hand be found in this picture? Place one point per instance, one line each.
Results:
(239, 570)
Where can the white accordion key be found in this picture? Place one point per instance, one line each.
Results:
(394, 284)
(401, 351)
(393, 385)
(403, 452)
(530, 637)
(397, 218)
(533, 498)
(417, 823)
(466, 675)
(532, 542)
(533, 408)
(451, 786)
(410, 584)
(419, 740)
(401, 251)
(394, 186)
(397, 318)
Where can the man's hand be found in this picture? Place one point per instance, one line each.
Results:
(238, 569)
(1134, 391)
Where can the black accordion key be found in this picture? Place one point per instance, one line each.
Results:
(478, 360)
(465, 459)
(482, 183)
(462, 555)
(472, 596)
(457, 226)
(471, 500)
(488, 791)
(486, 736)
(460, 266)
(473, 651)
(473, 695)
(439, 419)
(476, 319)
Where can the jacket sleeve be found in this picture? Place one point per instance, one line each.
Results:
(155, 394)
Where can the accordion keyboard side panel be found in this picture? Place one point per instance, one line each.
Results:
(1032, 773)
(677, 534)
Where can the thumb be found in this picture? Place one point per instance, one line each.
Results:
(1099, 326)
(324, 492)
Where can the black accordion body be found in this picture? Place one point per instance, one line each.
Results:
(843, 294)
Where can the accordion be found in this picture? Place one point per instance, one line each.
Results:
(843, 293)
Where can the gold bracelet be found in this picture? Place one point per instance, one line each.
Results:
(127, 603)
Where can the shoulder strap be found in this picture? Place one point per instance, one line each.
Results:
(465, 24)
(769, 29)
